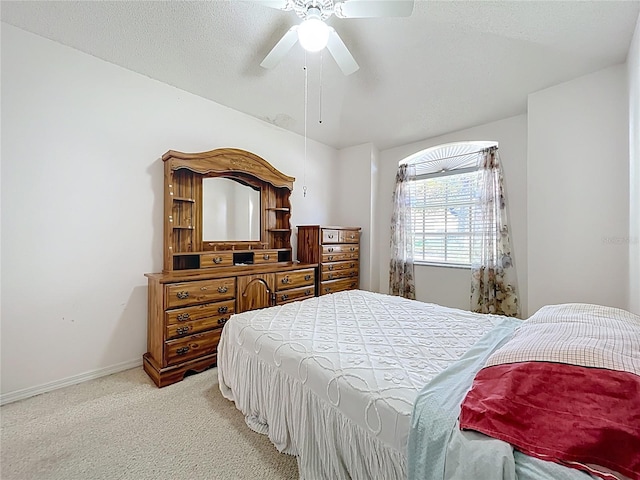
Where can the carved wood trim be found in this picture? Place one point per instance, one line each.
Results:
(229, 161)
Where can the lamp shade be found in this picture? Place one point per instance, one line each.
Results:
(313, 34)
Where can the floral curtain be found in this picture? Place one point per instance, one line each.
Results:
(401, 277)
(493, 276)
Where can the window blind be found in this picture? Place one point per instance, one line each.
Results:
(441, 216)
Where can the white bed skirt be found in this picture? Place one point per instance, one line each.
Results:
(333, 379)
(326, 444)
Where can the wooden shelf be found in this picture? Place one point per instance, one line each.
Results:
(279, 230)
(256, 251)
(184, 199)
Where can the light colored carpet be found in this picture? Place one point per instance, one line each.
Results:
(124, 427)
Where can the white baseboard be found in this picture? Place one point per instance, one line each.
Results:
(66, 382)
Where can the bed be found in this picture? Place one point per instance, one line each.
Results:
(361, 385)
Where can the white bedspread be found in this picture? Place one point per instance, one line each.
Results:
(333, 379)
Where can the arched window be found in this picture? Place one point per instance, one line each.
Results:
(442, 198)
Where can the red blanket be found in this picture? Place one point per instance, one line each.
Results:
(566, 389)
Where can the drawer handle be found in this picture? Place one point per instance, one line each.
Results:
(352, 236)
(284, 297)
(307, 277)
(183, 317)
(331, 235)
(217, 260)
(353, 274)
(331, 249)
(353, 265)
(182, 350)
(286, 280)
(353, 249)
(182, 294)
(330, 257)
(223, 309)
(223, 289)
(307, 292)
(223, 320)
(182, 330)
(353, 285)
(330, 267)
(327, 289)
(330, 275)
(265, 256)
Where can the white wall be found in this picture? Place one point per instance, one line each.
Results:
(574, 223)
(82, 192)
(376, 265)
(354, 197)
(633, 67)
(451, 286)
(578, 191)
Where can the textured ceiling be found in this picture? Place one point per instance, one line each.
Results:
(450, 65)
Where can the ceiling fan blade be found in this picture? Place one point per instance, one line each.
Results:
(373, 8)
(340, 53)
(279, 4)
(281, 48)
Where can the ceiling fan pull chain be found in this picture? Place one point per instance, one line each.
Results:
(320, 93)
(306, 95)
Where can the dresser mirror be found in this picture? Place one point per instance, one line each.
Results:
(230, 211)
(228, 201)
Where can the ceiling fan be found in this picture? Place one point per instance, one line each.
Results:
(314, 34)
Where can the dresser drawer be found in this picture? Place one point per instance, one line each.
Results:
(349, 273)
(333, 249)
(198, 345)
(218, 259)
(337, 266)
(265, 256)
(330, 236)
(339, 257)
(201, 291)
(187, 321)
(293, 294)
(180, 316)
(334, 286)
(349, 236)
(295, 278)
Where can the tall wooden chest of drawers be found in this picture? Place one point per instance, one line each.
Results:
(336, 250)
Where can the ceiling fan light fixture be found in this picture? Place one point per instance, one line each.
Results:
(313, 34)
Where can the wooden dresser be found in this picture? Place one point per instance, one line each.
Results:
(336, 250)
(204, 281)
(187, 312)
